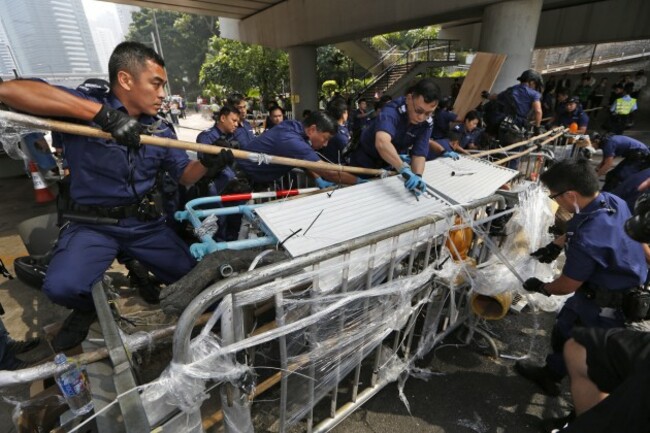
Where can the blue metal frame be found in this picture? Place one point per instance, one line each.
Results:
(208, 244)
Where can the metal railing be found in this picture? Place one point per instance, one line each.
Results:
(424, 50)
(356, 304)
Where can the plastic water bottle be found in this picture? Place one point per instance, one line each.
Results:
(75, 387)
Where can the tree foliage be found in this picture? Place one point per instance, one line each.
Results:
(246, 68)
(404, 39)
(185, 42)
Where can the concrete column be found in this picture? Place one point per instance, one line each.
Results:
(304, 82)
(511, 28)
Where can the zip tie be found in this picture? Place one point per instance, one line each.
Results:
(383, 174)
(261, 158)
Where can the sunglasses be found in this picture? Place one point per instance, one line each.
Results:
(554, 196)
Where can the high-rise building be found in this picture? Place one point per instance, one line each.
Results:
(124, 15)
(7, 64)
(49, 36)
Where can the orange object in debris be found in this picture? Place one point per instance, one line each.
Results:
(41, 192)
(459, 241)
(573, 128)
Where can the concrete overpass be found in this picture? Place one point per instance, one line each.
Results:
(513, 27)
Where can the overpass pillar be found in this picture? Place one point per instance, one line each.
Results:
(304, 82)
(511, 28)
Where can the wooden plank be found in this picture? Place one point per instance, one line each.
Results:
(481, 76)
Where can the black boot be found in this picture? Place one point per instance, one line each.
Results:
(16, 347)
(74, 330)
(139, 278)
(541, 375)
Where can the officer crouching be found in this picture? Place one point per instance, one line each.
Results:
(603, 265)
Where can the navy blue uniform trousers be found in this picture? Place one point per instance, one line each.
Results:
(84, 252)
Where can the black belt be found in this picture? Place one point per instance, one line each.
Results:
(604, 298)
(116, 212)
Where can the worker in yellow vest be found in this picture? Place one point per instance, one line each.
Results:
(621, 111)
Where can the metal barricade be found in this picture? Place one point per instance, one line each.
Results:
(345, 321)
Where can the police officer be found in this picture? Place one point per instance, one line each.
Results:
(221, 179)
(111, 181)
(634, 152)
(297, 140)
(622, 109)
(244, 132)
(403, 127)
(514, 105)
(602, 263)
(336, 146)
(573, 113)
(442, 117)
(471, 135)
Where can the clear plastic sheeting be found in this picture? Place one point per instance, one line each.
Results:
(208, 227)
(183, 386)
(526, 231)
(11, 138)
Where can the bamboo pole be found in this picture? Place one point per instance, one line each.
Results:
(72, 128)
(518, 144)
(527, 151)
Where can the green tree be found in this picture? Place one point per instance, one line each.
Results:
(246, 68)
(185, 41)
(404, 39)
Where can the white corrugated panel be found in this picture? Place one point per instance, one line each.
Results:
(360, 210)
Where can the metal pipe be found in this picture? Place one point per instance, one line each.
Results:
(250, 279)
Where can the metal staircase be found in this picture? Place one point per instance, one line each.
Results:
(395, 77)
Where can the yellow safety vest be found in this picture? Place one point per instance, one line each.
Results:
(624, 107)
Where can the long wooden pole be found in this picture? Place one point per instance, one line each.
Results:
(519, 143)
(72, 128)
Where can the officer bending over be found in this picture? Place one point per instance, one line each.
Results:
(602, 264)
(403, 127)
(293, 139)
(633, 151)
(111, 182)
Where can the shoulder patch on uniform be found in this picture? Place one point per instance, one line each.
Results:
(401, 109)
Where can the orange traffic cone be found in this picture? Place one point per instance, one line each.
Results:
(41, 191)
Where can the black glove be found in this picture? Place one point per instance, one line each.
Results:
(548, 253)
(215, 163)
(535, 285)
(124, 128)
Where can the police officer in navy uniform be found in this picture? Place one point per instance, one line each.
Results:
(244, 132)
(442, 118)
(514, 105)
(336, 146)
(573, 113)
(226, 181)
(634, 152)
(111, 181)
(602, 264)
(298, 140)
(403, 127)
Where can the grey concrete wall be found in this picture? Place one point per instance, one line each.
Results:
(511, 28)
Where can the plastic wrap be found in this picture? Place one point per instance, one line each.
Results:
(11, 139)
(208, 227)
(527, 231)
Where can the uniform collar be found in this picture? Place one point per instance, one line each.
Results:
(113, 102)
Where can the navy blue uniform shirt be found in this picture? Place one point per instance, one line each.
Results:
(469, 137)
(445, 143)
(619, 145)
(286, 139)
(599, 251)
(628, 190)
(244, 134)
(441, 121)
(333, 152)
(209, 136)
(523, 97)
(104, 173)
(578, 116)
(407, 138)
